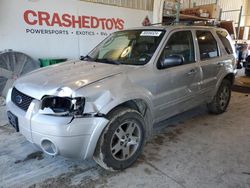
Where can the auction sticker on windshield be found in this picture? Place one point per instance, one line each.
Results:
(151, 33)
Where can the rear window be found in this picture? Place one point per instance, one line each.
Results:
(224, 37)
(207, 45)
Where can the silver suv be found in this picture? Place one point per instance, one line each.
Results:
(105, 105)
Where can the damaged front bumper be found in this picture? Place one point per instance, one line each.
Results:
(56, 135)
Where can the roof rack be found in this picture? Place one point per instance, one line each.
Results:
(187, 23)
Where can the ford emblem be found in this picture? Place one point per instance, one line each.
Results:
(19, 99)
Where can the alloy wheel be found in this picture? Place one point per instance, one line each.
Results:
(125, 140)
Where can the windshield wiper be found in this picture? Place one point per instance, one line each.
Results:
(109, 61)
(86, 58)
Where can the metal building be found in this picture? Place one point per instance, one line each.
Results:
(135, 4)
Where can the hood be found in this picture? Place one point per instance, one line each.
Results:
(70, 74)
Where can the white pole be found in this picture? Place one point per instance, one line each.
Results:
(158, 11)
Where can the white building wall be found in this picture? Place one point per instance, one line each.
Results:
(72, 28)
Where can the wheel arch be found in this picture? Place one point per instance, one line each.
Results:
(230, 77)
(140, 105)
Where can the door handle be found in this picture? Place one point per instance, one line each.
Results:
(192, 71)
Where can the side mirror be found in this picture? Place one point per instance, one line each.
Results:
(171, 61)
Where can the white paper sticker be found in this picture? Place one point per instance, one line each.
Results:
(151, 33)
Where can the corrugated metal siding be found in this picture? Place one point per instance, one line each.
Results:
(185, 3)
(148, 5)
(224, 4)
(204, 2)
(233, 5)
(230, 5)
(135, 4)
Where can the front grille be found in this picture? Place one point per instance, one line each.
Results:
(20, 99)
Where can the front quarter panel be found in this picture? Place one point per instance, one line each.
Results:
(101, 97)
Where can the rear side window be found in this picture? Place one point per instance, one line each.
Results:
(224, 37)
(207, 45)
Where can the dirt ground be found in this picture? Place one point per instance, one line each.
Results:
(195, 150)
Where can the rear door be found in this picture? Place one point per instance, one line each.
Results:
(210, 59)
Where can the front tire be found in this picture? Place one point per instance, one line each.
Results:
(221, 99)
(122, 140)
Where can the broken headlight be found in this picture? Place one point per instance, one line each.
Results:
(54, 105)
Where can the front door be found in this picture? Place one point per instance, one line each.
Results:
(176, 86)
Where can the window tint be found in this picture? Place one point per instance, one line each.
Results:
(224, 37)
(180, 43)
(207, 45)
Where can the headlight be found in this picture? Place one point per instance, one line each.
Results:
(64, 92)
(54, 105)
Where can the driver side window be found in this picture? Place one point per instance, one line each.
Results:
(179, 44)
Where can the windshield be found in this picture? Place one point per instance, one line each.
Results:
(133, 47)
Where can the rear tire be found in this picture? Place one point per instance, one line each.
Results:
(221, 99)
(247, 72)
(122, 140)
